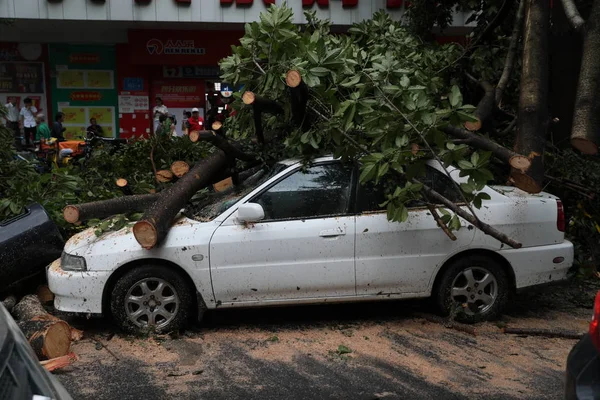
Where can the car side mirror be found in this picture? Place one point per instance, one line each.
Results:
(250, 212)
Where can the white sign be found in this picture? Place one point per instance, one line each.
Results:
(141, 103)
(126, 104)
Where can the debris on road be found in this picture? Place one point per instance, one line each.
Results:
(59, 362)
(549, 333)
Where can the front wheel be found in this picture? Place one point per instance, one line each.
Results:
(151, 298)
(473, 289)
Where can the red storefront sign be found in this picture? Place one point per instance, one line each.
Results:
(85, 96)
(178, 93)
(164, 47)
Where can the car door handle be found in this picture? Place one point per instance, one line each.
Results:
(333, 232)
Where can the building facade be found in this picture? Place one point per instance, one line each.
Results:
(109, 59)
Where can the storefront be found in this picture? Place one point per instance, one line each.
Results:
(83, 87)
(23, 70)
(180, 67)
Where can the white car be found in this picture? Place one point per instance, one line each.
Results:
(314, 235)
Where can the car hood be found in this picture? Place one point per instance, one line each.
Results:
(80, 243)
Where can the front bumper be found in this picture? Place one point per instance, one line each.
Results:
(77, 292)
(583, 371)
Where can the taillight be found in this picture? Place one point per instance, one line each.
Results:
(560, 218)
(595, 324)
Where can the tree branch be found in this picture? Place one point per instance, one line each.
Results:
(485, 107)
(573, 14)
(509, 62)
(439, 221)
(485, 228)
(220, 142)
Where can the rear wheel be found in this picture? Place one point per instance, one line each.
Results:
(473, 289)
(151, 298)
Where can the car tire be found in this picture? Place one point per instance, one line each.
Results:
(474, 288)
(151, 299)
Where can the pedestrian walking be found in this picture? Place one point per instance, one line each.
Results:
(28, 124)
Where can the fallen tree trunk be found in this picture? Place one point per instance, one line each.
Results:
(9, 303)
(180, 168)
(585, 132)
(44, 294)
(106, 208)
(532, 122)
(485, 228)
(30, 309)
(509, 62)
(158, 217)
(48, 339)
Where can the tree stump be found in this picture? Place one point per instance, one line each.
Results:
(48, 339)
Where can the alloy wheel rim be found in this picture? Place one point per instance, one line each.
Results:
(151, 302)
(476, 289)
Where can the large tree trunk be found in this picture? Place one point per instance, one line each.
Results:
(49, 339)
(157, 219)
(585, 133)
(30, 309)
(106, 208)
(533, 100)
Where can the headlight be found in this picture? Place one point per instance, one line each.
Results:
(69, 262)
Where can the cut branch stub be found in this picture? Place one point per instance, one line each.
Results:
(248, 98)
(106, 208)
(164, 176)
(180, 168)
(484, 109)
(121, 182)
(194, 135)
(217, 125)
(124, 186)
(293, 78)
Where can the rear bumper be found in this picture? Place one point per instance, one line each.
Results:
(77, 292)
(583, 371)
(537, 265)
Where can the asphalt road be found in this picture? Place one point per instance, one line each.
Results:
(366, 351)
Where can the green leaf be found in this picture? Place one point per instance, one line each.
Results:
(467, 187)
(405, 81)
(401, 140)
(463, 116)
(455, 223)
(320, 71)
(475, 159)
(464, 164)
(343, 349)
(351, 82)
(368, 173)
(455, 97)
(390, 89)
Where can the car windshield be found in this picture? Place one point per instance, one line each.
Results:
(207, 207)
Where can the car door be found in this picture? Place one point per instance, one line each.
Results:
(401, 258)
(304, 247)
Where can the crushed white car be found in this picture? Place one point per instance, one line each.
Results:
(312, 235)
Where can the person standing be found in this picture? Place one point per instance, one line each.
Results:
(28, 124)
(57, 127)
(12, 115)
(42, 133)
(195, 122)
(159, 109)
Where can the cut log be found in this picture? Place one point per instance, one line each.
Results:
(299, 98)
(515, 160)
(44, 294)
(223, 185)
(124, 186)
(194, 136)
(156, 221)
(30, 309)
(180, 168)
(59, 362)
(549, 333)
(217, 125)
(9, 303)
(106, 208)
(482, 226)
(485, 107)
(164, 176)
(532, 122)
(585, 132)
(49, 339)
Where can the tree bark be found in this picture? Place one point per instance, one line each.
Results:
(260, 105)
(59, 362)
(509, 62)
(223, 144)
(106, 208)
(44, 294)
(48, 339)
(585, 133)
(485, 228)
(515, 160)
(485, 107)
(573, 14)
(180, 168)
(532, 123)
(157, 219)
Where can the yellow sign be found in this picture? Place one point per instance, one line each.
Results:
(99, 79)
(103, 115)
(74, 115)
(70, 79)
(74, 132)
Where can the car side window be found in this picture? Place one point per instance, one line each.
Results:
(370, 196)
(317, 191)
